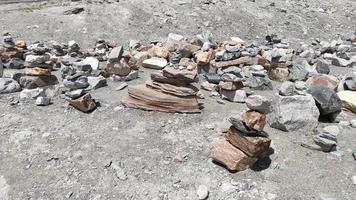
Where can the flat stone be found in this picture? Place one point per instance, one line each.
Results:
(180, 91)
(26, 94)
(15, 63)
(155, 63)
(97, 82)
(326, 145)
(184, 75)
(260, 82)
(80, 82)
(38, 59)
(208, 86)
(294, 113)
(73, 94)
(231, 86)
(322, 67)
(37, 71)
(9, 85)
(31, 82)
(231, 157)
(93, 62)
(299, 72)
(259, 103)
(1, 69)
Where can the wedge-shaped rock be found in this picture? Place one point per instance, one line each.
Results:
(162, 79)
(84, 103)
(252, 145)
(179, 91)
(146, 98)
(231, 157)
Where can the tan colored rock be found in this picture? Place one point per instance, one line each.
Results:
(204, 58)
(119, 68)
(253, 146)
(84, 103)
(160, 52)
(146, 98)
(230, 86)
(254, 120)
(155, 63)
(184, 75)
(228, 155)
(348, 99)
(37, 71)
(279, 74)
(21, 44)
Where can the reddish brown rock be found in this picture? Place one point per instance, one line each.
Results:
(204, 57)
(242, 60)
(146, 98)
(235, 160)
(325, 80)
(253, 146)
(184, 76)
(254, 120)
(84, 103)
(180, 91)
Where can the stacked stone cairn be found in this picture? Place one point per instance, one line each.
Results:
(245, 142)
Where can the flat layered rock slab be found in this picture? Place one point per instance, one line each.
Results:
(146, 98)
(180, 91)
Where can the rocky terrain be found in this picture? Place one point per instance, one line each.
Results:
(72, 74)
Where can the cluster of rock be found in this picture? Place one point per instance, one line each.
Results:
(169, 91)
(245, 142)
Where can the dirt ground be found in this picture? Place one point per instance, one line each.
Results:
(57, 152)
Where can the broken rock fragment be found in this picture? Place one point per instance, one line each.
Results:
(84, 103)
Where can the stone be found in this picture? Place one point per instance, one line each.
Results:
(180, 91)
(97, 82)
(15, 63)
(348, 99)
(172, 37)
(1, 69)
(231, 157)
(31, 82)
(322, 67)
(278, 74)
(183, 76)
(230, 86)
(241, 126)
(252, 145)
(80, 82)
(160, 52)
(300, 85)
(353, 123)
(258, 82)
(327, 101)
(287, 89)
(202, 192)
(37, 71)
(208, 86)
(298, 72)
(146, 98)
(9, 85)
(213, 78)
(254, 120)
(155, 63)
(238, 96)
(43, 101)
(323, 80)
(294, 113)
(73, 46)
(354, 180)
(26, 94)
(93, 62)
(75, 93)
(119, 68)
(350, 82)
(37, 59)
(115, 54)
(326, 145)
(84, 103)
(82, 66)
(259, 103)
(204, 58)
(243, 60)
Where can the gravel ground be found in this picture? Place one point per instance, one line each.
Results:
(56, 152)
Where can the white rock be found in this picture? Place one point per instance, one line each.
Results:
(9, 85)
(238, 96)
(31, 93)
(353, 123)
(121, 86)
(202, 192)
(354, 180)
(43, 101)
(155, 63)
(37, 59)
(259, 103)
(93, 62)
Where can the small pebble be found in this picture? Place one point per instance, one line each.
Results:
(202, 192)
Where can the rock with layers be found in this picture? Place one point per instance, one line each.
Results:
(294, 113)
(9, 85)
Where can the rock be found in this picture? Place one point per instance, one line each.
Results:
(350, 82)
(208, 86)
(213, 78)
(300, 85)
(180, 91)
(230, 86)
(37, 71)
(14, 63)
(298, 72)
(183, 76)
(204, 58)
(294, 113)
(348, 99)
(43, 101)
(353, 123)
(259, 103)
(159, 52)
(97, 82)
(32, 93)
(73, 46)
(238, 96)
(31, 82)
(9, 85)
(254, 120)
(231, 157)
(116, 54)
(323, 80)
(327, 101)
(322, 67)
(287, 89)
(236, 62)
(80, 82)
(1, 69)
(121, 86)
(75, 93)
(37, 59)
(326, 145)
(172, 37)
(84, 103)
(202, 192)
(93, 62)
(354, 180)
(252, 145)
(258, 82)
(155, 63)
(279, 74)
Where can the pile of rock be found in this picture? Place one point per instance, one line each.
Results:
(245, 142)
(169, 91)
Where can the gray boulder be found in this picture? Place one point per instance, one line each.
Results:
(294, 113)
(259, 103)
(238, 96)
(287, 89)
(9, 85)
(299, 72)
